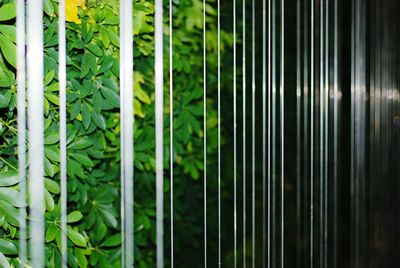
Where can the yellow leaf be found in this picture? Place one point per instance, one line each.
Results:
(71, 10)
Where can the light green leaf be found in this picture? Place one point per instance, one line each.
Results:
(51, 186)
(74, 216)
(10, 212)
(8, 12)
(51, 233)
(11, 196)
(9, 50)
(76, 237)
(48, 200)
(80, 144)
(8, 178)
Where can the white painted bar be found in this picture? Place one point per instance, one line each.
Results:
(62, 79)
(126, 107)
(159, 104)
(35, 126)
(21, 120)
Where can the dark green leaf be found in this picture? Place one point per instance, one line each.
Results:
(112, 241)
(7, 247)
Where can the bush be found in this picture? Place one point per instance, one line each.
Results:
(93, 127)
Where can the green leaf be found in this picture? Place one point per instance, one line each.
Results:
(113, 241)
(49, 77)
(11, 196)
(49, 201)
(9, 50)
(52, 98)
(101, 232)
(80, 144)
(83, 159)
(51, 233)
(74, 216)
(114, 38)
(51, 186)
(48, 168)
(80, 255)
(8, 178)
(8, 31)
(48, 8)
(99, 120)
(10, 212)
(51, 138)
(52, 154)
(3, 261)
(109, 217)
(8, 12)
(76, 237)
(75, 168)
(94, 49)
(8, 247)
(86, 118)
(110, 96)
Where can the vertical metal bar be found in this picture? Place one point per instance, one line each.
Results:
(298, 132)
(159, 103)
(273, 138)
(126, 99)
(269, 138)
(326, 128)
(253, 134)
(244, 128)
(21, 119)
(171, 131)
(219, 130)
(234, 141)
(205, 128)
(306, 164)
(321, 133)
(335, 135)
(312, 138)
(62, 80)
(264, 117)
(282, 114)
(36, 128)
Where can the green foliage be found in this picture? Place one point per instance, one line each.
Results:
(93, 128)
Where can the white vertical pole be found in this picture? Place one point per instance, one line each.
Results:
(159, 103)
(21, 107)
(35, 125)
(126, 106)
(62, 79)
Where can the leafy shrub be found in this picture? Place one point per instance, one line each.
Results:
(93, 126)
